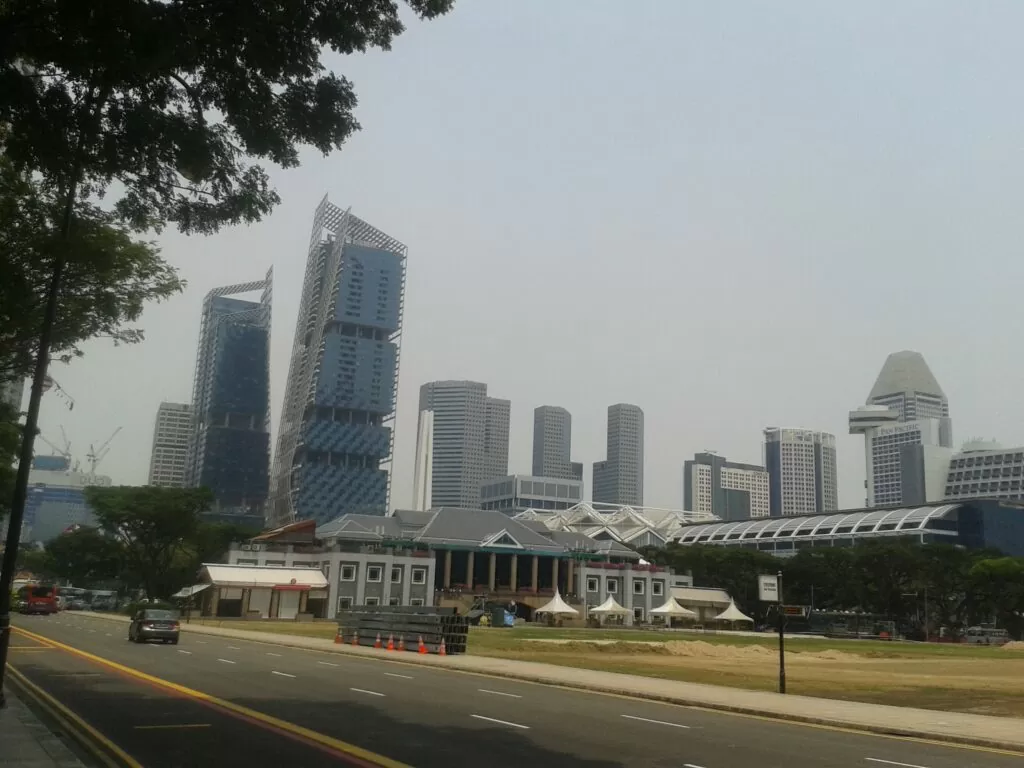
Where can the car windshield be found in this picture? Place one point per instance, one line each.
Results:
(157, 614)
(42, 591)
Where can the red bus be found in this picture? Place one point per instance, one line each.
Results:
(37, 598)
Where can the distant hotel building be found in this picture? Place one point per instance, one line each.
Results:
(552, 442)
(469, 442)
(619, 479)
(518, 493)
(986, 470)
(171, 433)
(229, 449)
(334, 446)
(908, 435)
(730, 491)
(801, 466)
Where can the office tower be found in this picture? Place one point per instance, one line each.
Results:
(728, 490)
(470, 440)
(170, 444)
(335, 442)
(983, 469)
(424, 462)
(576, 471)
(552, 442)
(517, 493)
(801, 466)
(620, 478)
(229, 448)
(905, 423)
(56, 499)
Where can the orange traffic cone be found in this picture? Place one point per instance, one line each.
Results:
(355, 637)
(401, 642)
(441, 651)
(422, 648)
(337, 637)
(391, 642)
(376, 643)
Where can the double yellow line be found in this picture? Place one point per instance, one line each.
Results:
(336, 745)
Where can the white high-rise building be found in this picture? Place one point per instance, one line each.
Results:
(801, 466)
(171, 436)
(424, 462)
(908, 435)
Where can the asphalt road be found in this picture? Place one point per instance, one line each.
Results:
(422, 717)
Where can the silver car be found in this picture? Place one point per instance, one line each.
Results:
(154, 624)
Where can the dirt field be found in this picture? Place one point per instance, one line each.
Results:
(974, 679)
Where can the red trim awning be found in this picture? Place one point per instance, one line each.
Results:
(293, 587)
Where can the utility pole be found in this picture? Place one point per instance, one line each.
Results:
(782, 640)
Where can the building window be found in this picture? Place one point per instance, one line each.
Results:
(348, 573)
(374, 573)
(657, 588)
(275, 562)
(591, 584)
(419, 575)
(396, 575)
(638, 615)
(373, 601)
(613, 586)
(638, 586)
(344, 603)
(394, 601)
(416, 601)
(247, 562)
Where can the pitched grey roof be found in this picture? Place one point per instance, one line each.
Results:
(364, 527)
(905, 371)
(452, 525)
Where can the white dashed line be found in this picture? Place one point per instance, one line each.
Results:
(327, 663)
(201, 642)
(500, 693)
(234, 648)
(92, 630)
(226, 661)
(501, 722)
(363, 690)
(691, 765)
(187, 653)
(890, 762)
(656, 722)
(109, 635)
(273, 654)
(280, 674)
(395, 674)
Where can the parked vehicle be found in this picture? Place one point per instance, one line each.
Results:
(987, 636)
(38, 599)
(154, 624)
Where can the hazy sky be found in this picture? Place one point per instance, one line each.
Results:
(726, 213)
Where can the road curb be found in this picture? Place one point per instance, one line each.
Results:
(451, 663)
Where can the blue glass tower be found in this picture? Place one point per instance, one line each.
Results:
(229, 450)
(335, 442)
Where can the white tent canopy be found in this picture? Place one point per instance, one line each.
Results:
(610, 608)
(732, 613)
(672, 608)
(189, 591)
(557, 606)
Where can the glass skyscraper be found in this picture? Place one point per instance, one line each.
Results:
(335, 442)
(229, 449)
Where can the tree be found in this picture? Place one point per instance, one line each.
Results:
(10, 436)
(84, 557)
(107, 283)
(157, 528)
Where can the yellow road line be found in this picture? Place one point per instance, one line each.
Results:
(328, 741)
(86, 735)
(29, 648)
(168, 727)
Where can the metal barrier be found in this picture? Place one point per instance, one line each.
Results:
(419, 629)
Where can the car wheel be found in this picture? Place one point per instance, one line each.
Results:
(174, 641)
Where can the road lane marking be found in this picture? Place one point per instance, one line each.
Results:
(501, 722)
(109, 635)
(395, 674)
(187, 653)
(268, 721)
(226, 661)
(234, 648)
(281, 674)
(363, 690)
(500, 693)
(167, 727)
(92, 630)
(273, 654)
(202, 642)
(890, 762)
(327, 663)
(691, 765)
(75, 674)
(656, 722)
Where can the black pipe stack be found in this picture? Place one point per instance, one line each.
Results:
(362, 624)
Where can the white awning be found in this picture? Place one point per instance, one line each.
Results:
(610, 607)
(672, 608)
(732, 613)
(556, 606)
(269, 576)
(189, 591)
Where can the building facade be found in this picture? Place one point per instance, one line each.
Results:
(169, 455)
(517, 493)
(56, 498)
(620, 478)
(801, 465)
(229, 447)
(730, 491)
(906, 407)
(552, 442)
(985, 470)
(469, 442)
(334, 445)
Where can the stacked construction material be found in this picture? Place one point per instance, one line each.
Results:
(393, 627)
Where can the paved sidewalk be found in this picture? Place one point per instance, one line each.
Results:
(955, 727)
(25, 742)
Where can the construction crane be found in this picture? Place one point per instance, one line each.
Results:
(95, 456)
(65, 452)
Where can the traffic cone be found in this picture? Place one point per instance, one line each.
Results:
(441, 651)
(391, 642)
(401, 642)
(355, 637)
(376, 643)
(422, 648)
(337, 637)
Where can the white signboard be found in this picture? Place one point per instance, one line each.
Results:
(768, 588)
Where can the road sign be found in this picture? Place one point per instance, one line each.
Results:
(768, 588)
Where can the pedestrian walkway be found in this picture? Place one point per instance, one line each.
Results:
(25, 742)
(980, 730)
